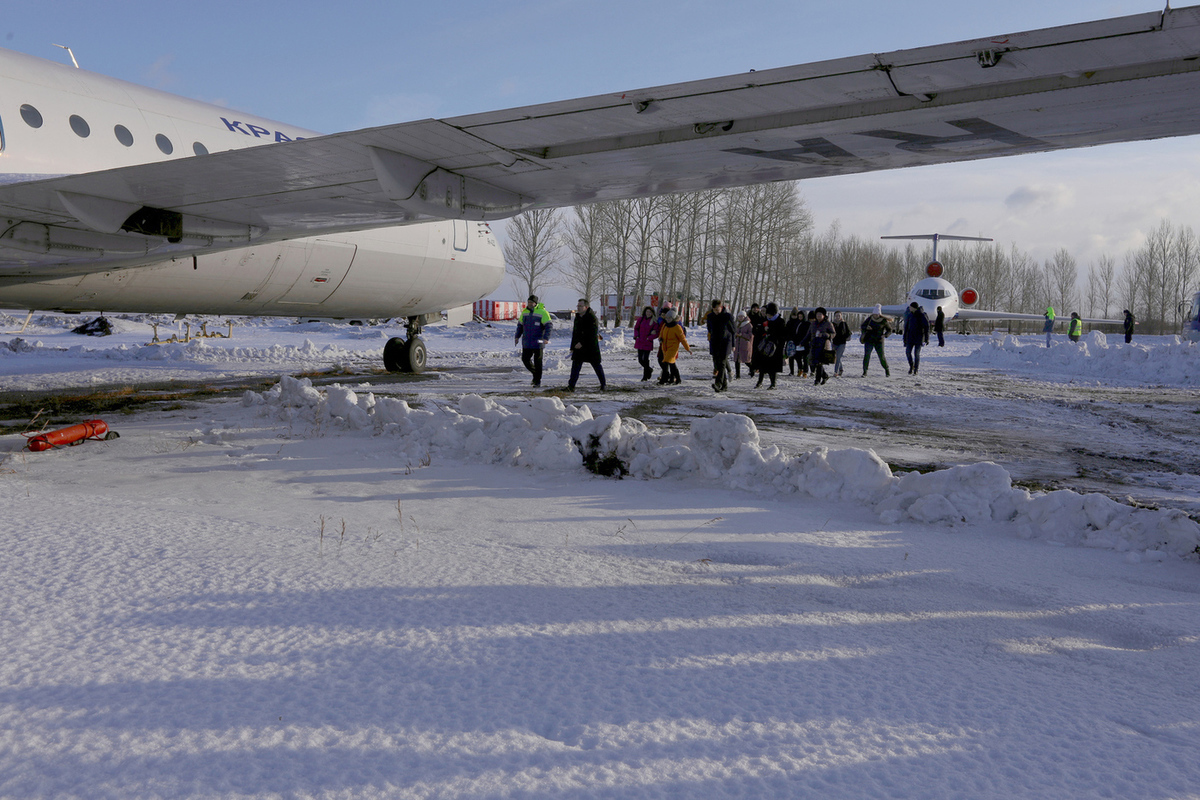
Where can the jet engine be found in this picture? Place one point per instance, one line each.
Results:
(934, 269)
(968, 297)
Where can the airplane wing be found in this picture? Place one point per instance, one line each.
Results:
(1115, 80)
(887, 311)
(971, 314)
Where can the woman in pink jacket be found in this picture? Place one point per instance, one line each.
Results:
(645, 331)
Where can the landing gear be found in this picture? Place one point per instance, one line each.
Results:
(406, 355)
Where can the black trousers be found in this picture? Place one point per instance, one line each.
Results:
(644, 360)
(720, 372)
(531, 357)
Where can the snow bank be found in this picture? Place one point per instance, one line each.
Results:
(1169, 360)
(197, 351)
(545, 433)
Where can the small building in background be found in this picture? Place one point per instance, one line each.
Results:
(496, 310)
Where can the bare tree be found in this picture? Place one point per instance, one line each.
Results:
(533, 247)
(1106, 270)
(584, 240)
(1062, 273)
(1156, 264)
(1186, 260)
(1131, 283)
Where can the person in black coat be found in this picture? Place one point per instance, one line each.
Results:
(585, 344)
(796, 329)
(821, 332)
(720, 343)
(916, 334)
(939, 326)
(768, 352)
(841, 335)
(1128, 326)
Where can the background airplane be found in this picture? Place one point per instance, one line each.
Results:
(934, 291)
(114, 192)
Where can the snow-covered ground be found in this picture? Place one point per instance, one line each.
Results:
(362, 585)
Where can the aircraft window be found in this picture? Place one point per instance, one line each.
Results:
(199, 149)
(32, 117)
(80, 126)
(164, 144)
(123, 135)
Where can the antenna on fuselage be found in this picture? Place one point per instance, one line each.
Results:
(936, 236)
(71, 54)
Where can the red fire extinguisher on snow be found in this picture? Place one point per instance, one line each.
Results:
(92, 429)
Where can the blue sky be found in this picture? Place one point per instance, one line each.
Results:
(334, 67)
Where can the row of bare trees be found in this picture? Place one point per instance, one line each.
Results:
(758, 243)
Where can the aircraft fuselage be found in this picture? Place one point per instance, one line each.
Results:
(57, 120)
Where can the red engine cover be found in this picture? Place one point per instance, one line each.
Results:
(934, 269)
(969, 297)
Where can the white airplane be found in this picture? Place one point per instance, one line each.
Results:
(934, 291)
(115, 197)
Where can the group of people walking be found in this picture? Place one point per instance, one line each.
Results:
(761, 338)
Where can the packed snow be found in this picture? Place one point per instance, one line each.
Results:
(350, 585)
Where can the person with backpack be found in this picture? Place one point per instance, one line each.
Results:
(875, 329)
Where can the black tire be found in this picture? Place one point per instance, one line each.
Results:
(405, 356)
(393, 355)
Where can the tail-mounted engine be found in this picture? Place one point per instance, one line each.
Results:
(968, 297)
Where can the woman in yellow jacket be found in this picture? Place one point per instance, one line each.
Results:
(672, 336)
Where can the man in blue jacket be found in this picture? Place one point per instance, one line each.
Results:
(533, 332)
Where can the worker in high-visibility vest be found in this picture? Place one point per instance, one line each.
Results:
(1076, 329)
(1048, 328)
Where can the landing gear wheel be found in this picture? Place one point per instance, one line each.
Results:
(392, 352)
(400, 355)
(417, 355)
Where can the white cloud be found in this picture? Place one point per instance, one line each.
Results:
(1027, 199)
(159, 74)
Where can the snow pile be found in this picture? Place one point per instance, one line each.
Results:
(197, 351)
(545, 433)
(1170, 360)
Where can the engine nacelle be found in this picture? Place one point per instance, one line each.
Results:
(968, 297)
(934, 269)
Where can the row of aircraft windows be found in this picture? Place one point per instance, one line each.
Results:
(33, 118)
